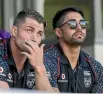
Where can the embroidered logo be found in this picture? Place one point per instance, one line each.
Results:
(63, 76)
(9, 76)
(63, 79)
(30, 80)
(1, 70)
(87, 78)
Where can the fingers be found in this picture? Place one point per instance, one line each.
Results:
(35, 54)
(29, 49)
(42, 46)
(32, 44)
(26, 54)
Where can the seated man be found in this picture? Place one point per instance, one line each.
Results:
(21, 57)
(71, 69)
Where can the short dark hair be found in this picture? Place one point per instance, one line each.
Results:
(22, 15)
(60, 14)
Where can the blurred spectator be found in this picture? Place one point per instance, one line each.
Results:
(4, 34)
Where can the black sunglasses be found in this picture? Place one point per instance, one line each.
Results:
(73, 24)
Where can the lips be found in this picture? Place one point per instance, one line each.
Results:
(79, 33)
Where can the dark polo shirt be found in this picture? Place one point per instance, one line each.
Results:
(87, 77)
(9, 73)
(8, 70)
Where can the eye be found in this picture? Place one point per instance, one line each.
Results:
(84, 24)
(29, 30)
(72, 24)
(40, 33)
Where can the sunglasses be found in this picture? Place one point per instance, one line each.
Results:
(73, 24)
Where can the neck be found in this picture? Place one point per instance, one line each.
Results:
(71, 52)
(18, 57)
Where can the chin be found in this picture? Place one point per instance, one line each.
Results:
(79, 42)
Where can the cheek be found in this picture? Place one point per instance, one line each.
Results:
(23, 36)
(38, 40)
(69, 33)
(84, 32)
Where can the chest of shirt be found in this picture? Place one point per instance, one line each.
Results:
(80, 78)
(24, 79)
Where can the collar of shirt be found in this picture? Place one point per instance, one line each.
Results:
(11, 59)
(10, 56)
(64, 60)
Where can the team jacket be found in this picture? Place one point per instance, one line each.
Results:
(87, 77)
(8, 71)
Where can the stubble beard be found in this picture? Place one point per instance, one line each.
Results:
(20, 47)
(73, 41)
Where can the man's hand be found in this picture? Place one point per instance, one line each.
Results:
(34, 54)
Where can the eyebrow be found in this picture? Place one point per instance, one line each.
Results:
(34, 28)
(31, 27)
(41, 31)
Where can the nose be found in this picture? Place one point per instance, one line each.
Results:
(33, 36)
(78, 26)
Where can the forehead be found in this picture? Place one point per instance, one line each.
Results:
(73, 15)
(33, 23)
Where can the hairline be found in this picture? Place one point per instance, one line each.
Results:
(23, 20)
(62, 18)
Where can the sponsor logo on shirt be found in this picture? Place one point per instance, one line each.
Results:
(87, 73)
(30, 80)
(63, 78)
(87, 78)
(1, 70)
(64, 81)
(9, 78)
(2, 74)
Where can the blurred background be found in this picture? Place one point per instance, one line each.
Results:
(93, 10)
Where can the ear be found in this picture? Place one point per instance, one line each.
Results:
(14, 31)
(58, 32)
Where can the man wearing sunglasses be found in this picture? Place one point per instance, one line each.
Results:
(70, 68)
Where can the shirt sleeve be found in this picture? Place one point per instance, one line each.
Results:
(51, 69)
(4, 69)
(98, 86)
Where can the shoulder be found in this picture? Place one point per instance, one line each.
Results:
(98, 68)
(51, 52)
(3, 53)
(51, 58)
(3, 64)
(92, 60)
(3, 44)
(3, 47)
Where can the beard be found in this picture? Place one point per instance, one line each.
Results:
(74, 40)
(20, 46)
